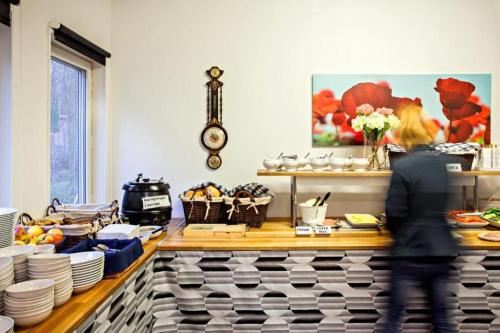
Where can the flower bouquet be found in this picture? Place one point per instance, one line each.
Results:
(374, 124)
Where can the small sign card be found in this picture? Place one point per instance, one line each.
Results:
(303, 230)
(323, 230)
(454, 167)
(158, 201)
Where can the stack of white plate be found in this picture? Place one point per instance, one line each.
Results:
(88, 269)
(7, 225)
(30, 302)
(55, 266)
(6, 277)
(6, 325)
(45, 248)
(20, 256)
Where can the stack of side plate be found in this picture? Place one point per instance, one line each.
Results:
(6, 277)
(20, 256)
(6, 324)
(7, 225)
(87, 268)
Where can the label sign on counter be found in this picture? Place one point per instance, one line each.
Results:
(454, 167)
(303, 230)
(158, 201)
(323, 230)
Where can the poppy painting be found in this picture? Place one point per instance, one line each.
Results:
(453, 107)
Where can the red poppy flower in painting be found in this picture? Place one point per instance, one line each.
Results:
(400, 103)
(454, 93)
(324, 103)
(460, 131)
(377, 95)
(467, 110)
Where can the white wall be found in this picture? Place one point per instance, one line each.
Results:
(269, 50)
(5, 119)
(31, 56)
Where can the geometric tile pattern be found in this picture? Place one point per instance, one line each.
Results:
(309, 291)
(128, 309)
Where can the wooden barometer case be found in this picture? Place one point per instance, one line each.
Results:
(214, 136)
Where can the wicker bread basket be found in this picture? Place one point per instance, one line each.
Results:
(205, 209)
(247, 209)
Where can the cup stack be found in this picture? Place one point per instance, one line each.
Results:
(20, 256)
(30, 302)
(55, 266)
(6, 277)
(88, 269)
(7, 225)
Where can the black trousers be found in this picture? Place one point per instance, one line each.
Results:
(432, 276)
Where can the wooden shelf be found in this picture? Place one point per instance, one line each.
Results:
(381, 173)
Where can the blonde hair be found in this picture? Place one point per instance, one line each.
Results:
(412, 131)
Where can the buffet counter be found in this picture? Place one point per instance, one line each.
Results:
(279, 235)
(273, 281)
(82, 309)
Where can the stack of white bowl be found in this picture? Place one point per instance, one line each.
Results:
(6, 325)
(88, 269)
(55, 266)
(19, 254)
(6, 277)
(7, 225)
(30, 302)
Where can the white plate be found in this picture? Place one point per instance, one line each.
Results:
(85, 257)
(7, 211)
(151, 228)
(86, 270)
(49, 258)
(82, 288)
(17, 251)
(45, 248)
(6, 324)
(30, 289)
(88, 266)
(5, 263)
(80, 282)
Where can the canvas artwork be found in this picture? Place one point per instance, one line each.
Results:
(454, 107)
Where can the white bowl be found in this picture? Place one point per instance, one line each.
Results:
(16, 251)
(85, 257)
(87, 279)
(45, 248)
(49, 258)
(19, 307)
(337, 163)
(6, 324)
(290, 164)
(360, 164)
(271, 164)
(319, 163)
(302, 163)
(85, 268)
(32, 319)
(63, 298)
(30, 289)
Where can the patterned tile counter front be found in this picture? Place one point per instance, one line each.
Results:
(308, 291)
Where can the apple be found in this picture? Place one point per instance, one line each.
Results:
(49, 239)
(56, 234)
(20, 232)
(35, 231)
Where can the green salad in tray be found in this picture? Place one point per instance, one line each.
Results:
(492, 214)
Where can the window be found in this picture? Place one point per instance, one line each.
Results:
(69, 129)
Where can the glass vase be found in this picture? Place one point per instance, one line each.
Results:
(373, 149)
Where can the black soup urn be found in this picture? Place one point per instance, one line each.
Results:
(147, 201)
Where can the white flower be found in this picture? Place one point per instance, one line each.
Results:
(375, 121)
(358, 123)
(393, 121)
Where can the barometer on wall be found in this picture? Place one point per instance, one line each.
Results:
(214, 136)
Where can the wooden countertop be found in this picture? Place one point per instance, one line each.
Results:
(381, 173)
(71, 315)
(278, 235)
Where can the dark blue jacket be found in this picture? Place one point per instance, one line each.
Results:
(416, 206)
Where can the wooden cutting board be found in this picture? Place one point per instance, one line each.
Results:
(214, 230)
